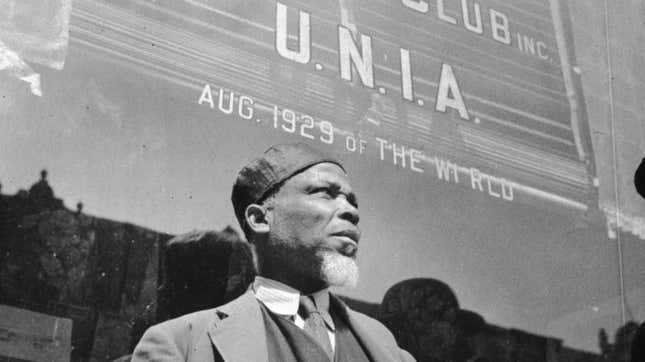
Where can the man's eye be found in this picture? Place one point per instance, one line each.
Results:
(322, 190)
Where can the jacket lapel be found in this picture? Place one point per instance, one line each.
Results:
(371, 341)
(238, 331)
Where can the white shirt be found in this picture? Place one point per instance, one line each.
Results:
(284, 300)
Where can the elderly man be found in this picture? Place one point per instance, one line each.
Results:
(296, 206)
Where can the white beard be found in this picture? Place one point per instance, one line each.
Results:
(338, 270)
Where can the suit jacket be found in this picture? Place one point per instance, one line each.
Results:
(235, 332)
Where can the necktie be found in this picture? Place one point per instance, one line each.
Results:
(315, 324)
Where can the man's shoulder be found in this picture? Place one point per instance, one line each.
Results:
(190, 334)
(187, 326)
(187, 322)
(173, 337)
(204, 317)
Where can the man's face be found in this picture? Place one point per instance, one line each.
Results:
(314, 220)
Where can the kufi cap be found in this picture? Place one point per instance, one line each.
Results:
(277, 164)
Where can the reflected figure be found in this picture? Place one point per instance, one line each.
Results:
(623, 346)
(425, 317)
(638, 344)
(203, 269)
(639, 178)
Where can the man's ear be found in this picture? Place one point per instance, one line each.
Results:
(256, 218)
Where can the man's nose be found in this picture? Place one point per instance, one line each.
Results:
(349, 212)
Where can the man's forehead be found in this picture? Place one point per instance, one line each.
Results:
(324, 172)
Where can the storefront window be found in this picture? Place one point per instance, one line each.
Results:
(492, 146)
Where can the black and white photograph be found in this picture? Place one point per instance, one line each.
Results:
(329, 180)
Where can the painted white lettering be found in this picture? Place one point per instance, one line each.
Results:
(499, 26)
(444, 168)
(448, 85)
(443, 172)
(507, 190)
(350, 143)
(362, 145)
(441, 13)
(327, 130)
(406, 75)
(220, 103)
(529, 44)
(349, 55)
(382, 143)
(303, 55)
(398, 153)
(207, 96)
(477, 28)
(490, 180)
(415, 160)
(476, 178)
(418, 5)
(245, 107)
(541, 50)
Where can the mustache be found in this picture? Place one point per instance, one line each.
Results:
(346, 249)
(349, 250)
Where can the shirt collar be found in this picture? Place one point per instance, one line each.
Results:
(282, 299)
(278, 297)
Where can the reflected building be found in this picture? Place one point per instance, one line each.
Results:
(113, 280)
